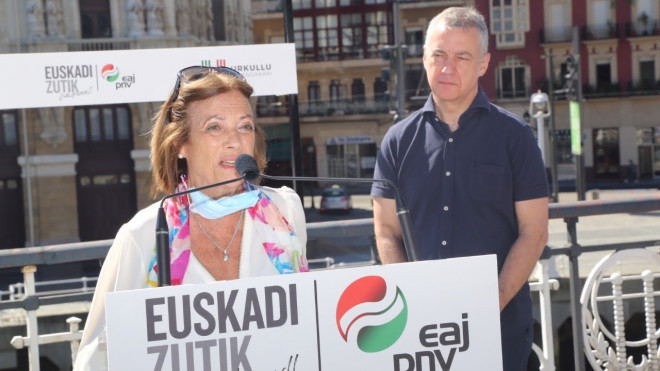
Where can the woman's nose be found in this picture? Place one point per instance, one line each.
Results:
(232, 138)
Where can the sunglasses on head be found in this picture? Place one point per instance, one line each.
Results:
(193, 73)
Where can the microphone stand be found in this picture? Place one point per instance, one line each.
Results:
(163, 233)
(402, 212)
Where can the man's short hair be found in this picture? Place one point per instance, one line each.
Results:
(464, 18)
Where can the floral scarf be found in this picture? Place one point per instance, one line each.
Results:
(269, 227)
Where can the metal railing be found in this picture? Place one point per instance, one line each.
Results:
(17, 291)
(28, 258)
(609, 30)
(555, 34)
(650, 27)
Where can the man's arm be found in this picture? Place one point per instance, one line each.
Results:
(388, 231)
(532, 238)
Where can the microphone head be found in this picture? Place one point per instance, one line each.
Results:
(246, 166)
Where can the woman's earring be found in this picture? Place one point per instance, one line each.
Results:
(180, 156)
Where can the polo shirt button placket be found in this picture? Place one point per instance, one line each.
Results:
(444, 243)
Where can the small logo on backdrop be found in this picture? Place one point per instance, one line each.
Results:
(365, 309)
(110, 73)
(209, 63)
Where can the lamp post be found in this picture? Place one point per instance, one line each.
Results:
(539, 108)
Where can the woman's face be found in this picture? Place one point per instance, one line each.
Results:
(221, 128)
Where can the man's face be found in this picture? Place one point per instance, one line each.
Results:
(453, 64)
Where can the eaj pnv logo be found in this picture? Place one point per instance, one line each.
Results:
(110, 73)
(371, 314)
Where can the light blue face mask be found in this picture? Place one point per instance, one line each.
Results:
(216, 209)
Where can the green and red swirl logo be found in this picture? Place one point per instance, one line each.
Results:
(370, 315)
(110, 73)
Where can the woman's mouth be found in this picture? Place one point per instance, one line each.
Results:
(228, 163)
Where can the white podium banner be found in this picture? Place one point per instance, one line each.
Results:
(32, 80)
(441, 315)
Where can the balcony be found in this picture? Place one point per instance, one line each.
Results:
(86, 45)
(343, 107)
(266, 6)
(601, 90)
(644, 87)
(640, 29)
(608, 30)
(555, 35)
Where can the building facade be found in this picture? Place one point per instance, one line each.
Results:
(347, 76)
(617, 48)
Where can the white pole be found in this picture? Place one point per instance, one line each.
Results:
(32, 329)
(540, 134)
(545, 303)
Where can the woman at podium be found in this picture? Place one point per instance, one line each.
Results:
(224, 232)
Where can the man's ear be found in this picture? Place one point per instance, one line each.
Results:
(483, 67)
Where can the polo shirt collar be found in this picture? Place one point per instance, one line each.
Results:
(480, 101)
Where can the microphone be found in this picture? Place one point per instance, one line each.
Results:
(163, 233)
(247, 167)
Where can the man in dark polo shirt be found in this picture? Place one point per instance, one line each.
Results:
(471, 175)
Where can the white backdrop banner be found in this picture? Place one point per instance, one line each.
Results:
(431, 315)
(32, 80)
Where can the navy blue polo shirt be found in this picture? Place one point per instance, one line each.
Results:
(461, 186)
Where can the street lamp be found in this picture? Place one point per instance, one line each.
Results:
(539, 108)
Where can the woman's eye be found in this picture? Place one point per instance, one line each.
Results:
(246, 127)
(213, 127)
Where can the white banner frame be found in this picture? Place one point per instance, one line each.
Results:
(31, 80)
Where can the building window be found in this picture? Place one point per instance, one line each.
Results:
(328, 39)
(513, 79)
(351, 35)
(357, 91)
(377, 32)
(647, 74)
(95, 19)
(314, 96)
(337, 91)
(415, 41)
(101, 123)
(380, 90)
(603, 76)
(324, 31)
(301, 4)
(304, 36)
(325, 3)
(509, 20)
